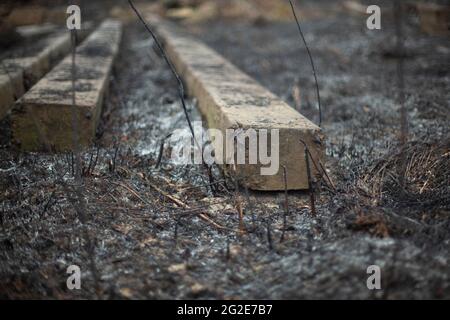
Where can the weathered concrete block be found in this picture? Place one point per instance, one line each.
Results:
(23, 72)
(42, 118)
(37, 65)
(230, 99)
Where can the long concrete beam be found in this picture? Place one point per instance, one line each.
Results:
(19, 74)
(42, 119)
(230, 99)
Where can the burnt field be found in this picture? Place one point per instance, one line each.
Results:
(141, 227)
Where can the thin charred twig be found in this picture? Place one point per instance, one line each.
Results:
(286, 204)
(181, 91)
(181, 204)
(85, 170)
(326, 175)
(71, 161)
(176, 201)
(88, 169)
(310, 184)
(175, 232)
(238, 204)
(215, 224)
(96, 160)
(227, 254)
(161, 150)
(322, 171)
(222, 173)
(92, 163)
(269, 235)
(81, 207)
(131, 191)
(75, 122)
(211, 184)
(311, 60)
(251, 209)
(169, 63)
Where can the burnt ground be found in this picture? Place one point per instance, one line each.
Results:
(162, 232)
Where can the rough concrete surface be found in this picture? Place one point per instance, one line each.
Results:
(230, 99)
(25, 65)
(43, 118)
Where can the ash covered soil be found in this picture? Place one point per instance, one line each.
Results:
(162, 231)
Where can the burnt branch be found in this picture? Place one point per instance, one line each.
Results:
(311, 60)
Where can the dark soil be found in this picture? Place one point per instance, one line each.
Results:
(162, 232)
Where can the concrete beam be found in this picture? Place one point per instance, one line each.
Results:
(230, 99)
(19, 74)
(42, 118)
